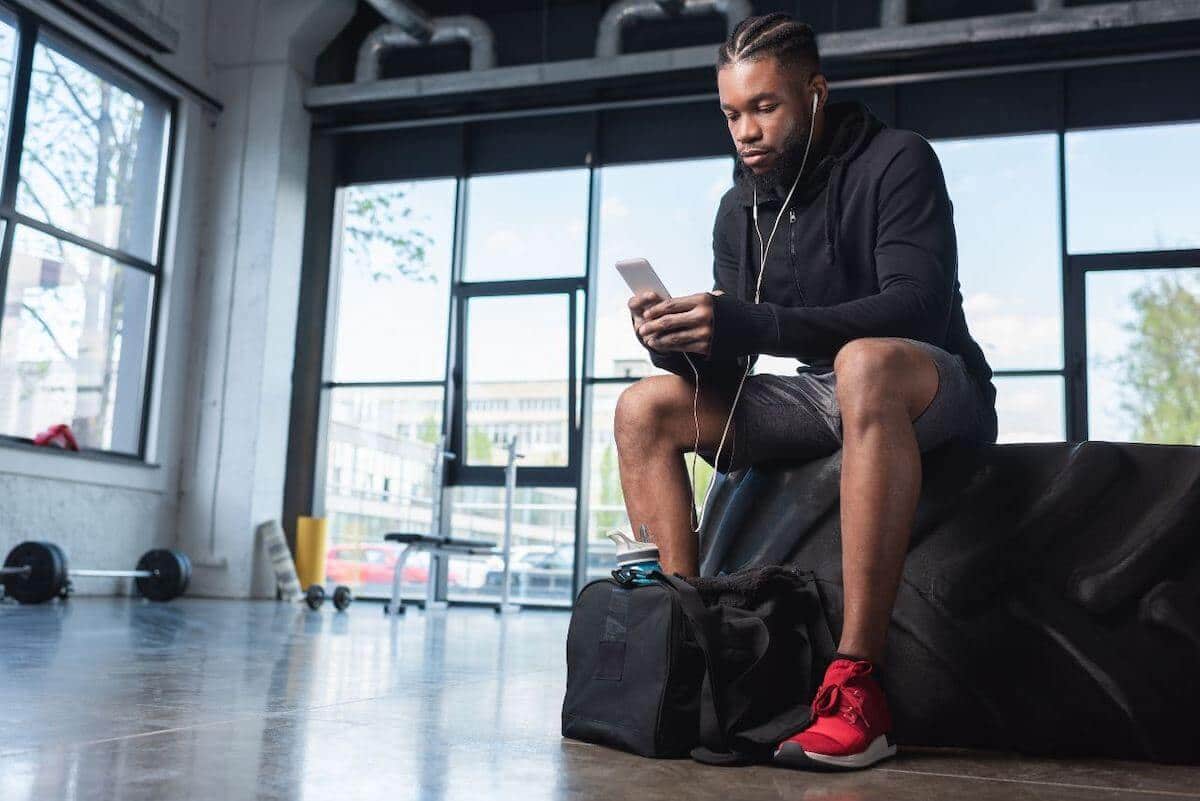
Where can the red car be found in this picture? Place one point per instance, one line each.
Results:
(371, 567)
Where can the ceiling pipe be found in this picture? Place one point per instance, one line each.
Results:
(405, 15)
(623, 12)
(407, 26)
(893, 13)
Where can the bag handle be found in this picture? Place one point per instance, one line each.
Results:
(702, 620)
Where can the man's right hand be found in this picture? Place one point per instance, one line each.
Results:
(638, 304)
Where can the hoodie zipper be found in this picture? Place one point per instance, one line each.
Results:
(792, 241)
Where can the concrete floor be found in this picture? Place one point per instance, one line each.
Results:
(198, 699)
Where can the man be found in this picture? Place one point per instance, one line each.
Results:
(860, 284)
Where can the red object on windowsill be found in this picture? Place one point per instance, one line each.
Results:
(58, 436)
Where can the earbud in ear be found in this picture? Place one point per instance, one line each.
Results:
(815, 98)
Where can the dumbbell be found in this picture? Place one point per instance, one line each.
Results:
(35, 572)
(314, 596)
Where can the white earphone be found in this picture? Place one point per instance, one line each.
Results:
(762, 265)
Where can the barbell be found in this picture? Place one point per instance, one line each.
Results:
(35, 572)
(315, 596)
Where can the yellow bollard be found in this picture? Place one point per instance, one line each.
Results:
(312, 537)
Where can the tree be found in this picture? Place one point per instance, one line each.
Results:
(1161, 367)
(609, 481)
(479, 447)
(380, 235)
(430, 432)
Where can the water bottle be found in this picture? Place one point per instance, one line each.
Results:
(635, 559)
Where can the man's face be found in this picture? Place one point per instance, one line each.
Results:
(768, 116)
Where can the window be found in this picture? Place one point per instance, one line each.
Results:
(385, 389)
(1131, 189)
(542, 551)
(80, 257)
(663, 212)
(526, 362)
(1005, 196)
(75, 330)
(526, 225)
(1143, 344)
(1006, 219)
(393, 287)
(1030, 408)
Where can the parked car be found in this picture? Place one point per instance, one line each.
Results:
(545, 574)
(368, 569)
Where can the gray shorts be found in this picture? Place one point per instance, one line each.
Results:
(798, 418)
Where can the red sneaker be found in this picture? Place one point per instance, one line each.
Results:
(850, 723)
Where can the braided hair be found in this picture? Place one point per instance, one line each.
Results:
(793, 44)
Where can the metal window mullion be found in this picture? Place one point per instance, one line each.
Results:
(452, 394)
(1135, 260)
(164, 210)
(523, 286)
(27, 31)
(583, 484)
(381, 384)
(1027, 373)
(17, 218)
(454, 402)
(22, 73)
(1073, 311)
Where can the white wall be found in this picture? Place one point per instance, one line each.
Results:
(221, 399)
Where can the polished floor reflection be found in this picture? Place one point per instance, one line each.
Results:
(196, 699)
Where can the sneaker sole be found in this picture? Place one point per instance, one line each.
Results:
(791, 755)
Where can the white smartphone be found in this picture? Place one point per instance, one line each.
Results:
(640, 277)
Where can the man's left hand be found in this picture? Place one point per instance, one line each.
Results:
(680, 324)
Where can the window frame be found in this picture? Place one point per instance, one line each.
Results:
(923, 110)
(32, 29)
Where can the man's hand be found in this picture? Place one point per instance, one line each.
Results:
(680, 324)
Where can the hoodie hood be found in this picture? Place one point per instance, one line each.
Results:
(849, 127)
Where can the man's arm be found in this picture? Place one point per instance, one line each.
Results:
(914, 263)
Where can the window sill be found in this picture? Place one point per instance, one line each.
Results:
(22, 458)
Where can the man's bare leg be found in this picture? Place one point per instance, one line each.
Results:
(882, 385)
(654, 428)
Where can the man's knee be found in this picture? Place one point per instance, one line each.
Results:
(648, 410)
(870, 375)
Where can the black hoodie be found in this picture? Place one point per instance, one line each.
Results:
(874, 256)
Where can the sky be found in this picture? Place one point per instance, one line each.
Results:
(1005, 196)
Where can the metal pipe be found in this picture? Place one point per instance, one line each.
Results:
(623, 12)
(405, 15)
(893, 13)
(894, 79)
(410, 27)
(617, 16)
(904, 42)
(382, 38)
(474, 31)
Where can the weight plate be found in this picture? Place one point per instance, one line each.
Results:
(342, 597)
(314, 596)
(47, 575)
(174, 571)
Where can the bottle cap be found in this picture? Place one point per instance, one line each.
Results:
(631, 551)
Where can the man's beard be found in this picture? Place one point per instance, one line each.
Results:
(778, 178)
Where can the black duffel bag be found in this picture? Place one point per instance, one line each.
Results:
(634, 670)
(722, 668)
